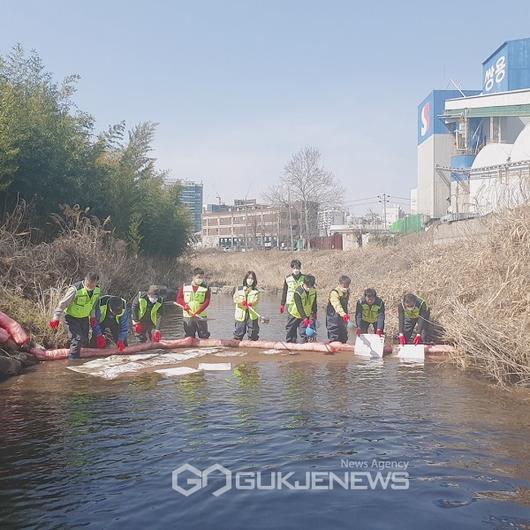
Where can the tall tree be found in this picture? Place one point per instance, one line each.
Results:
(305, 187)
(50, 156)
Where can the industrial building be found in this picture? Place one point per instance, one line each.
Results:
(474, 145)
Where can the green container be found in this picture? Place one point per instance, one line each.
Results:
(408, 225)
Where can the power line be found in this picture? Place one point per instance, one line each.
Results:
(384, 198)
(363, 199)
(402, 198)
(377, 198)
(363, 203)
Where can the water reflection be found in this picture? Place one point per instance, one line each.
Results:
(79, 451)
(246, 384)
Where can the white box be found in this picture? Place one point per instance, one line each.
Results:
(410, 352)
(179, 370)
(215, 366)
(369, 345)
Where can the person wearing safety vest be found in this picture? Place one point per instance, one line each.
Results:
(370, 311)
(290, 284)
(194, 298)
(146, 308)
(246, 299)
(111, 315)
(337, 317)
(78, 308)
(412, 312)
(303, 313)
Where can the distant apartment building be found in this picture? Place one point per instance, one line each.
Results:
(328, 217)
(248, 225)
(191, 198)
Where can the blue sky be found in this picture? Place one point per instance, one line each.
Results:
(237, 86)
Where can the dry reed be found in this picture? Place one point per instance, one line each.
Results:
(35, 275)
(477, 287)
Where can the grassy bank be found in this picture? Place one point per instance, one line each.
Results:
(35, 275)
(478, 290)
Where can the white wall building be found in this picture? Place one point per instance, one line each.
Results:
(393, 213)
(413, 201)
(328, 217)
(436, 146)
(473, 147)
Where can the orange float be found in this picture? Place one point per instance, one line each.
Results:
(14, 329)
(329, 348)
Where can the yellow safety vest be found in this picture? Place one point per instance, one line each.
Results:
(104, 307)
(292, 285)
(251, 295)
(370, 313)
(414, 314)
(194, 299)
(83, 304)
(343, 300)
(142, 308)
(308, 299)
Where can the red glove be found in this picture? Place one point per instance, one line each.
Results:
(358, 331)
(282, 309)
(307, 322)
(121, 345)
(402, 339)
(187, 308)
(101, 341)
(244, 303)
(93, 322)
(156, 335)
(249, 304)
(417, 339)
(346, 318)
(379, 332)
(138, 328)
(54, 324)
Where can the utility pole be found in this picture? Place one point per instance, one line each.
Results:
(279, 227)
(245, 201)
(384, 198)
(290, 217)
(246, 223)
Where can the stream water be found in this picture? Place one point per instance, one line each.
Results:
(78, 451)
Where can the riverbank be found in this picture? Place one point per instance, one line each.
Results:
(35, 274)
(477, 288)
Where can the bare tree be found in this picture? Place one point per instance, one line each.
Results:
(278, 195)
(305, 187)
